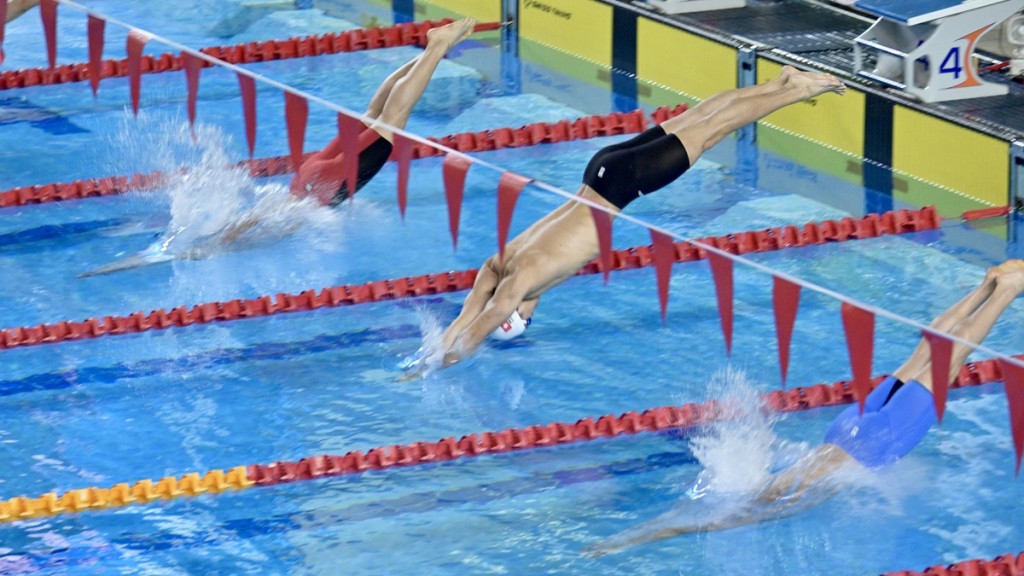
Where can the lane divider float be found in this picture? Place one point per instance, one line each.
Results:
(767, 240)
(1004, 565)
(444, 450)
(406, 34)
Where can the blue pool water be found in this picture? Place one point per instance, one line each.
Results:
(125, 408)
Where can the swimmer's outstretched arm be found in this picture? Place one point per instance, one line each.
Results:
(783, 495)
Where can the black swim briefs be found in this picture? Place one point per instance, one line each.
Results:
(623, 172)
(371, 160)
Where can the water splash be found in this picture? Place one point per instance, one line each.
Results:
(215, 205)
(430, 354)
(740, 452)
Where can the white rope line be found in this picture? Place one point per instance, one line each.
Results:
(549, 188)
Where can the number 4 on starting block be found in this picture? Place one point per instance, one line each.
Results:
(926, 47)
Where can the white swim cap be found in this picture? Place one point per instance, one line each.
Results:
(509, 329)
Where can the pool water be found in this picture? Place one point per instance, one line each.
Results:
(120, 409)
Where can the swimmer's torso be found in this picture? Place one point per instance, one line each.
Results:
(553, 249)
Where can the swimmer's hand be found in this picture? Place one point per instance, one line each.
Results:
(416, 366)
(145, 258)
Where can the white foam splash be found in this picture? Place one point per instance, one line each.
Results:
(210, 195)
(430, 354)
(739, 453)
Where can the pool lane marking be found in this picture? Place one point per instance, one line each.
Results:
(534, 134)
(444, 450)
(767, 240)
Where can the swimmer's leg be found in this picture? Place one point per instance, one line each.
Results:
(408, 89)
(1009, 283)
(714, 103)
(376, 105)
(711, 121)
(945, 322)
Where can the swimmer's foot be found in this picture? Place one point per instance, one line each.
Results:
(1012, 276)
(1010, 266)
(814, 83)
(451, 34)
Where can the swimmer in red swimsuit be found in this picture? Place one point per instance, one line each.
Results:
(321, 176)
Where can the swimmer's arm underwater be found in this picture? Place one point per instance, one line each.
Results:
(783, 495)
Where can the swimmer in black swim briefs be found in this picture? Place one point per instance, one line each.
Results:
(558, 245)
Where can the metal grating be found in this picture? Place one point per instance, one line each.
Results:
(823, 35)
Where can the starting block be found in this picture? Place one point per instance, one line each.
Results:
(683, 6)
(926, 47)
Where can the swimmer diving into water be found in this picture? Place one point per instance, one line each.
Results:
(897, 415)
(321, 176)
(554, 248)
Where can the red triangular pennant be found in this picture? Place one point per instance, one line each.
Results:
(402, 153)
(603, 223)
(247, 87)
(454, 171)
(786, 301)
(859, 325)
(3, 25)
(349, 129)
(136, 41)
(509, 187)
(664, 257)
(722, 273)
(1013, 382)
(48, 14)
(97, 26)
(942, 353)
(192, 64)
(296, 114)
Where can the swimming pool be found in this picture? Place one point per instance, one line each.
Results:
(124, 408)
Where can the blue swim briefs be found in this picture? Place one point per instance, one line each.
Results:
(892, 423)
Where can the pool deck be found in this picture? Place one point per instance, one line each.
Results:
(823, 34)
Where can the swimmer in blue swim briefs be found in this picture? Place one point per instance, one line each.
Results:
(899, 412)
(897, 415)
(555, 247)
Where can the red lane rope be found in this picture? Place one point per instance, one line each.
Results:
(557, 433)
(241, 477)
(407, 34)
(1004, 565)
(982, 213)
(771, 239)
(485, 140)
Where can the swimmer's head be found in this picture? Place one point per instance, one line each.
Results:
(509, 329)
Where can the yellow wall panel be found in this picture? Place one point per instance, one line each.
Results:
(830, 119)
(482, 10)
(682, 61)
(580, 27)
(949, 155)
